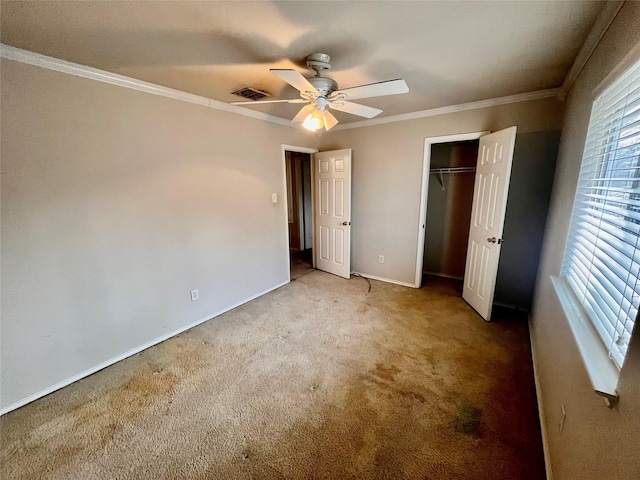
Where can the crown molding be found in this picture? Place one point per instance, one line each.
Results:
(50, 63)
(491, 102)
(605, 18)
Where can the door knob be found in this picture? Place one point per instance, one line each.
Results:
(492, 240)
(346, 223)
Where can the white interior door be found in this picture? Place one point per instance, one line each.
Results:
(493, 172)
(332, 232)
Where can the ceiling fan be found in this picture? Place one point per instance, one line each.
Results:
(321, 93)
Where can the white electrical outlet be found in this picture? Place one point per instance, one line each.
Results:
(194, 295)
(380, 258)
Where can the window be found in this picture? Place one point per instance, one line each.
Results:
(602, 257)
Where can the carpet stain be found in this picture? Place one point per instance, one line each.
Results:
(142, 390)
(104, 416)
(386, 372)
(64, 456)
(246, 453)
(108, 433)
(429, 355)
(398, 390)
(467, 420)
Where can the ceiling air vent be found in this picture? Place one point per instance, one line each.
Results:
(251, 93)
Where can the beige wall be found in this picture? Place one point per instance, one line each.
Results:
(387, 176)
(595, 443)
(115, 203)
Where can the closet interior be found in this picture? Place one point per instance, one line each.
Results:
(449, 201)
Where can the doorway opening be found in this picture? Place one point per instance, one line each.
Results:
(449, 202)
(299, 212)
(445, 210)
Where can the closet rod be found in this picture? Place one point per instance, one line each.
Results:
(453, 170)
(441, 171)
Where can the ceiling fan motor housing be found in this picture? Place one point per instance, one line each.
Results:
(320, 62)
(324, 85)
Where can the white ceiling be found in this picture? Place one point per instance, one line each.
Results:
(448, 52)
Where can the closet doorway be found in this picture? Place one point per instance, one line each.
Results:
(445, 210)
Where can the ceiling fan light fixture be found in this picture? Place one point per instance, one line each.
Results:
(314, 121)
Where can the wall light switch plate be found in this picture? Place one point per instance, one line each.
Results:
(380, 258)
(274, 197)
(194, 295)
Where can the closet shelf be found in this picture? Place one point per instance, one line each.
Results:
(442, 171)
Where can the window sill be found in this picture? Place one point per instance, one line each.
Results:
(602, 372)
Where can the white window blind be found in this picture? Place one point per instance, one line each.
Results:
(602, 256)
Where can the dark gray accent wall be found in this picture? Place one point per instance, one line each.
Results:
(532, 173)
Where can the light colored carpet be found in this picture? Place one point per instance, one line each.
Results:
(318, 379)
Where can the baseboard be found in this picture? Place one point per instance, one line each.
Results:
(543, 423)
(442, 275)
(382, 279)
(512, 307)
(92, 370)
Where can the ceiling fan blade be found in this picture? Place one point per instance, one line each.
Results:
(253, 102)
(355, 109)
(302, 114)
(329, 121)
(295, 79)
(379, 89)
